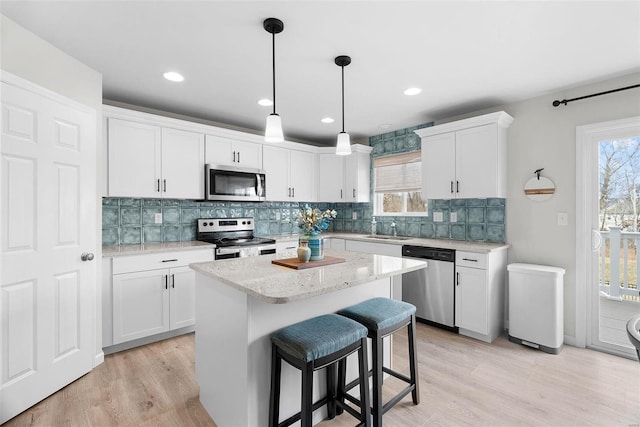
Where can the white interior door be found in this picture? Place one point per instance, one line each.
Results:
(48, 219)
(603, 307)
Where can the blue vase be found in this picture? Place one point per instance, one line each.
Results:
(316, 244)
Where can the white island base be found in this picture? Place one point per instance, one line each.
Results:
(233, 349)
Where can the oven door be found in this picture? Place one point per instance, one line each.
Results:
(245, 251)
(234, 184)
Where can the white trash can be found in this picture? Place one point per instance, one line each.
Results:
(536, 310)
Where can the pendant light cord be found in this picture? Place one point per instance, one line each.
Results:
(342, 98)
(273, 62)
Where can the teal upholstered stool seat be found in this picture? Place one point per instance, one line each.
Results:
(313, 344)
(383, 317)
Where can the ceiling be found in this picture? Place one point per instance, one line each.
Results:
(465, 56)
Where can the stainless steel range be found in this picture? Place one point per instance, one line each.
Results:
(233, 237)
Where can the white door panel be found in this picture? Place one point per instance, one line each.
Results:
(48, 218)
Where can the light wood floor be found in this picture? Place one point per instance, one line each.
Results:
(462, 382)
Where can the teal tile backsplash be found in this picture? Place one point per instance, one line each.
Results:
(132, 221)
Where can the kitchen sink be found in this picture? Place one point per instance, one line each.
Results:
(384, 237)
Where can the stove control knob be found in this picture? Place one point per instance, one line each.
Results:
(248, 222)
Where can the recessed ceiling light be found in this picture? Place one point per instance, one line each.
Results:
(412, 91)
(327, 120)
(173, 76)
(265, 102)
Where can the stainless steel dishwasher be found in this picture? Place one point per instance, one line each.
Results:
(431, 289)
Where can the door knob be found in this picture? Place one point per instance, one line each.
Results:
(86, 256)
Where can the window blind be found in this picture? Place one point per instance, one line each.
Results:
(400, 172)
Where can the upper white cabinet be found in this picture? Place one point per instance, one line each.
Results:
(345, 178)
(230, 152)
(146, 160)
(290, 174)
(466, 158)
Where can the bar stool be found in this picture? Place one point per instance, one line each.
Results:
(311, 345)
(383, 317)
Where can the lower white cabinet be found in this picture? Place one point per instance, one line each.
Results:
(388, 249)
(480, 288)
(153, 293)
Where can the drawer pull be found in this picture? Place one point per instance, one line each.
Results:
(166, 281)
(170, 260)
(173, 281)
(470, 259)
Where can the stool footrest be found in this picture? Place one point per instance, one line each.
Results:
(397, 398)
(398, 375)
(296, 417)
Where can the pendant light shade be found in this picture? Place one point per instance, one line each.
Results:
(343, 144)
(273, 130)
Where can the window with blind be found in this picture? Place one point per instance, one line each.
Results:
(398, 184)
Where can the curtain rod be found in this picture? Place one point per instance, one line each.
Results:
(566, 101)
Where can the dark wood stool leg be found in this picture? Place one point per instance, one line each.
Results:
(274, 396)
(342, 377)
(365, 403)
(307, 396)
(377, 359)
(331, 390)
(413, 360)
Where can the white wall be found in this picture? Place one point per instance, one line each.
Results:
(543, 136)
(24, 54)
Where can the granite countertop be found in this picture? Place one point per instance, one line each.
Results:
(459, 245)
(146, 248)
(274, 284)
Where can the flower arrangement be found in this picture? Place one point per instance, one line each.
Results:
(312, 221)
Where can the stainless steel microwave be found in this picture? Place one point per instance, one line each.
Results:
(234, 184)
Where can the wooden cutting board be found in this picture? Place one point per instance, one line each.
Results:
(299, 265)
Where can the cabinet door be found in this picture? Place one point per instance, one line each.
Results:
(374, 248)
(438, 166)
(357, 172)
(248, 154)
(302, 175)
(228, 152)
(219, 151)
(477, 162)
(182, 164)
(183, 297)
(471, 299)
(140, 304)
(331, 178)
(276, 165)
(134, 159)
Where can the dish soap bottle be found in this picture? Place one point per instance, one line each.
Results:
(373, 226)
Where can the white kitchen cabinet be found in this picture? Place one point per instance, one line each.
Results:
(465, 159)
(231, 152)
(479, 295)
(345, 178)
(290, 174)
(151, 161)
(150, 294)
(388, 249)
(287, 247)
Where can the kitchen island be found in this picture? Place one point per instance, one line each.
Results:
(240, 302)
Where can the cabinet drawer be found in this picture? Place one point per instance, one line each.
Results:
(471, 259)
(128, 264)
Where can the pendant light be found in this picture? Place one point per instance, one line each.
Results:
(273, 130)
(343, 145)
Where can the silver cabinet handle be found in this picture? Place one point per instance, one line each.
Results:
(293, 191)
(166, 281)
(341, 194)
(354, 193)
(173, 281)
(238, 157)
(170, 260)
(86, 256)
(470, 259)
(234, 157)
(457, 279)
(457, 186)
(289, 191)
(164, 185)
(158, 186)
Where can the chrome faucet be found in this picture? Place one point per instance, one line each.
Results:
(393, 229)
